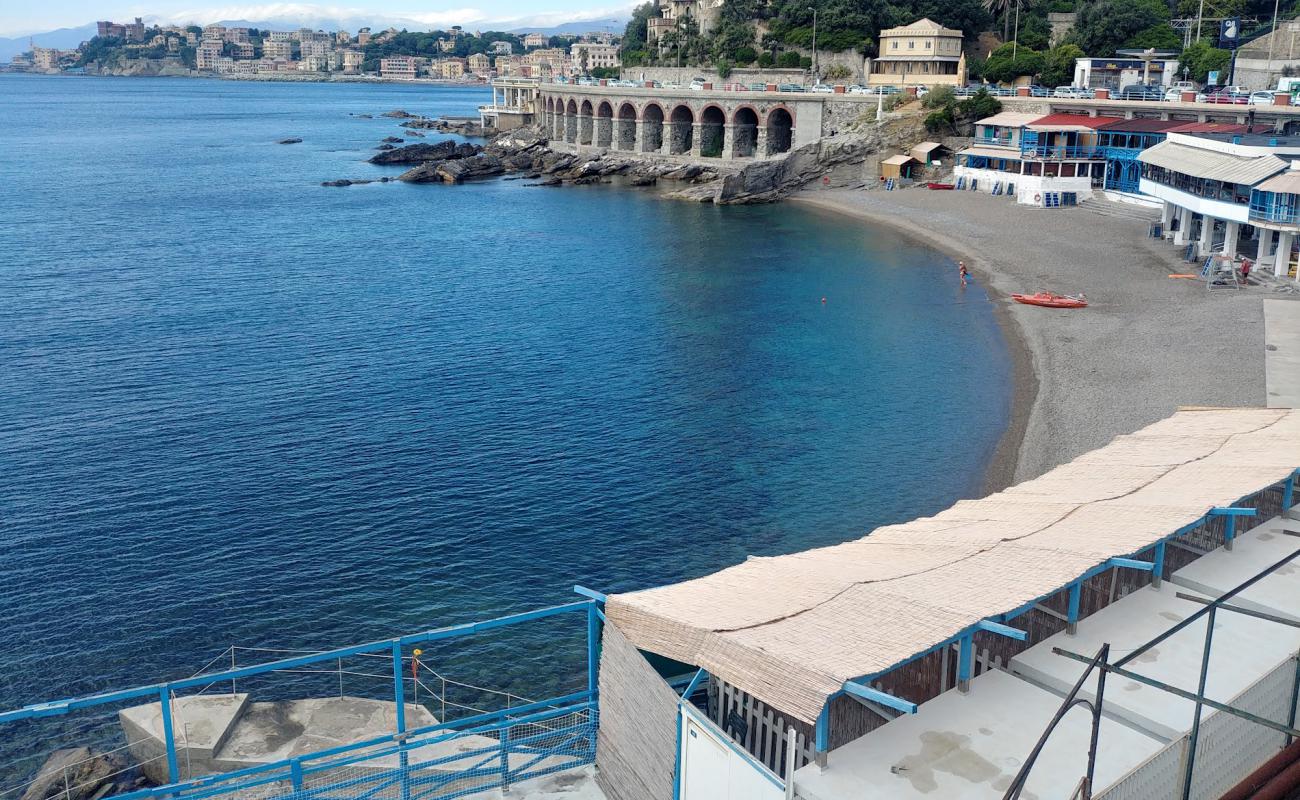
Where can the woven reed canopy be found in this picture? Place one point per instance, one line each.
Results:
(791, 629)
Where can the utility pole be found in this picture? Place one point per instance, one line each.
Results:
(1200, 12)
(1272, 35)
(814, 45)
(1015, 38)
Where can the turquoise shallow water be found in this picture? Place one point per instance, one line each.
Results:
(238, 407)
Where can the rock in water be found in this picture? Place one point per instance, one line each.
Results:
(398, 114)
(392, 140)
(454, 170)
(417, 153)
(386, 147)
(290, 140)
(342, 182)
(88, 774)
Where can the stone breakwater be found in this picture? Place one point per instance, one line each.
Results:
(526, 153)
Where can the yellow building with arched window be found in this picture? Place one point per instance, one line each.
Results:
(924, 53)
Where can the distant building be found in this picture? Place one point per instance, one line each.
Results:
(45, 59)
(342, 38)
(398, 67)
(450, 69)
(536, 40)
(315, 48)
(110, 29)
(363, 37)
(502, 48)
(134, 30)
(277, 49)
(237, 35)
(506, 66)
(1116, 73)
(656, 27)
(446, 45)
(923, 53)
(241, 50)
(207, 54)
(479, 64)
(352, 61)
(595, 56)
(277, 36)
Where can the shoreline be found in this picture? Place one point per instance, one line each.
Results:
(1000, 471)
(1145, 346)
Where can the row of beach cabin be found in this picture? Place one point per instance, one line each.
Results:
(1220, 188)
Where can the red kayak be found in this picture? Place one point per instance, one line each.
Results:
(938, 186)
(1050, 300)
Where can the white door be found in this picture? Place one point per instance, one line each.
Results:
(705, 763)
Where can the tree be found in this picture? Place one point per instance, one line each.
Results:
(1003, 67)
(1201, 59)
(746, 55)
(1104, 26)
(837, 72)
(1160, 37)
(938, 97)
(1058, 65)
(788, 60)
(636, 34)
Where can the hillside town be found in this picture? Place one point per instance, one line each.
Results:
(235, 51)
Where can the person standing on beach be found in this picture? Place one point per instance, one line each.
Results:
(963, 272)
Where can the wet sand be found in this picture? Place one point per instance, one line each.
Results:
(1146, 344)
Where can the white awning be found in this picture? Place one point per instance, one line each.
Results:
(1212, 165)
(1010, 119)
(991, 152)
(791, 629)
(1286, 183)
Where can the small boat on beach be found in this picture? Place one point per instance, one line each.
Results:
(933, 185)
(1049, 300)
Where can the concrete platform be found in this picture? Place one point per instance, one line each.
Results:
(203, 723)
(966, 746)
(1245, 649)
(1282, 353)
(1254, 551)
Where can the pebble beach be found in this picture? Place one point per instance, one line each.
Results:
(1146, 345)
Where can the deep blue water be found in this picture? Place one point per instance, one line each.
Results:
(238, 407)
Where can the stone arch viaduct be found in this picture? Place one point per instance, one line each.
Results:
(680, 123)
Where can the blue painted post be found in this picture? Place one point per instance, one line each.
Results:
(1072, 615)
(1158, 565)
(1288, 490)
(169, 735)
(295, 774)
(1229, 531)
(593, 648)
(965, 656)
(823, 734)
(505, 758)
(399, 697)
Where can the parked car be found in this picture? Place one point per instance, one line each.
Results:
(1142, 91)
(823, 88)
(1039, 91)
(758, 87)
(858, 89)
(1174, 95)
(1065, 91)
(1261, 99)
(789, 87)
(697, 84)
(1229, 97)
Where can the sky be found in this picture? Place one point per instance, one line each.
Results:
(22, 17)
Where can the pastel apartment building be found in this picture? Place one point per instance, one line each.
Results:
(924, 53)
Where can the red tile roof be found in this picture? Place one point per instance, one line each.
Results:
(1143, 125)
(1082, 120)
(1208, 127)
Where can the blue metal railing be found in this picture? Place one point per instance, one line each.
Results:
(1032, 150)
(1274, 207)
(576, 713)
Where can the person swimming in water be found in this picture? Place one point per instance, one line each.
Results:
(963, 272)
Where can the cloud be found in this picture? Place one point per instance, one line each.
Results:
(315, 15)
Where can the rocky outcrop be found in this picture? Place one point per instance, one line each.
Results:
(464, 126)
(418, 153)
(78, 773)
(482, 165)
(392, 140)
(398, 113)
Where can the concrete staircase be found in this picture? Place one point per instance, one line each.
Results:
(1110, 208)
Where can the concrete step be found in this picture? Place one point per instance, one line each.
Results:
(201, 724)
(1107, 208)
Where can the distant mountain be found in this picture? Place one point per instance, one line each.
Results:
(67, 38)
(63, 38)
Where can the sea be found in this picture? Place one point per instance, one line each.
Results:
(241, 408)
